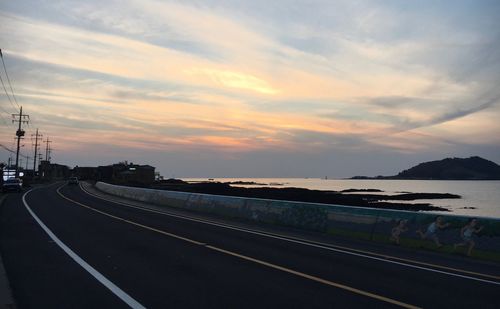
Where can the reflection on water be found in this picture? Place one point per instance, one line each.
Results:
(479, 198)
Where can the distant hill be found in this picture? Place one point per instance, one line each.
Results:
(473, 168)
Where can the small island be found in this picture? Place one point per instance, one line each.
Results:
(473, 168)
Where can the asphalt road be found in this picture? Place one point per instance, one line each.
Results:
(68, 249)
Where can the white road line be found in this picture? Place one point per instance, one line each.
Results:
(316, 279)
(106, 282)
(247, 258)
(384, 258)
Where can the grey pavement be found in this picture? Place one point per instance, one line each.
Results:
(162, 259)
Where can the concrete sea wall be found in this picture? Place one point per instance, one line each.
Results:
(358, 222)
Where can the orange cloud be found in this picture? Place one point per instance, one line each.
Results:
(235, 80)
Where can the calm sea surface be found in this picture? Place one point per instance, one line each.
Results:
(483, 195)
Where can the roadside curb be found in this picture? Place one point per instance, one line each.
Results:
(6, 299)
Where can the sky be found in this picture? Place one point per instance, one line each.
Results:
(254, 88)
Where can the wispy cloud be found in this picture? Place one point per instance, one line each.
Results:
(253, 76)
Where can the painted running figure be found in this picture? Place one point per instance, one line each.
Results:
(432, 229)
(397, 230)
(466, 233)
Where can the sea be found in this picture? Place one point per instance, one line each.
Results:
(479, 198)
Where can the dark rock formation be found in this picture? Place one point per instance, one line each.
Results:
(313, 196)
(473, 168)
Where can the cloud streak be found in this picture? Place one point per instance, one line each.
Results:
(246, 77)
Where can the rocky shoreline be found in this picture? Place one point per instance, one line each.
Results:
(349, 197)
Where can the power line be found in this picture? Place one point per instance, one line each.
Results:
(20, 119)
(8, 96)
(10, 150)
(8, 79)
(11, 88)
(32, 124)
(6, 148)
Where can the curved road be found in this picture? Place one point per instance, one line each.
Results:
(63, 247)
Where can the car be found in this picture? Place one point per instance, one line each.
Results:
(12, 184)
(73, 181)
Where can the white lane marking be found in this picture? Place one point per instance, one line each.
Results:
(247, 258)
(106, 282)
(384, 258)
(129, 221)
(314, 278)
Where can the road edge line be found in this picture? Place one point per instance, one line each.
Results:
(92, 271)
(248, 258)
(336, 248)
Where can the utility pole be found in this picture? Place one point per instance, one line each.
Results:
(36, 150)
(19, 133)
(27, 160)
(40, 158)
(47, 149)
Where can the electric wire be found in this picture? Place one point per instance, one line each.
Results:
(11, 102)
(7, 93)
(12, 151)
(8, 79)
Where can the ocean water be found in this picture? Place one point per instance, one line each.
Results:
(484, 196)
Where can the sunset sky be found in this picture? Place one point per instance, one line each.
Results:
(255, 88)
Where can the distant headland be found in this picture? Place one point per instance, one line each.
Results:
(473, 168)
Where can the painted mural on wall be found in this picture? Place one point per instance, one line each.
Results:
(448, 233)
